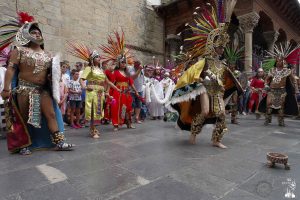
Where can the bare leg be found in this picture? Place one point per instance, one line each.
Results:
(137, 114)
(48, 112)
(128, 120)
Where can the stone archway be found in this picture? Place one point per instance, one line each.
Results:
(269, 32)
(263, 29)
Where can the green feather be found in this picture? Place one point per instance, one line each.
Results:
(268, 64)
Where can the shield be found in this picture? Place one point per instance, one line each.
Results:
(231, 84)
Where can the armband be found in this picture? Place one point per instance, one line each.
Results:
(13, 65)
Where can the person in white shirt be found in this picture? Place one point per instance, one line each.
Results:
(137, 74)
(65, 76)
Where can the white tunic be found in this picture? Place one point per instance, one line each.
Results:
(156, 109)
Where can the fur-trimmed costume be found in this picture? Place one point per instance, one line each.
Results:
(186, 99)
(209, 76)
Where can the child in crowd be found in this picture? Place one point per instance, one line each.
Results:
(75, 100)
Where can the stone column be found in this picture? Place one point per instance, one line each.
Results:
(174, 42)
(271, 37)
(247, 23)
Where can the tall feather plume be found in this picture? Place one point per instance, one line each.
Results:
(220, 10)
(230, 4)
(10, 28)
(179, 69)
(24, 17)
(116, 47)
(78, 50)
(56, 73)
(287, 51)
(205, 21)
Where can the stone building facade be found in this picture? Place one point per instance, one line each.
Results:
(91, 21)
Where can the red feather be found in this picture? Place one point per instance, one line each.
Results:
(4, 46)
(294, 57)
(25, 17)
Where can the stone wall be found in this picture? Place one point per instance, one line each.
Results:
(91, 21)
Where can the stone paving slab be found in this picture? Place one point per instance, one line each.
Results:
(15, 162)
(236, 169)
(213, 185)
(83, 165)
(166, 189)
(18, 181)
(104, 183)
(57, 191)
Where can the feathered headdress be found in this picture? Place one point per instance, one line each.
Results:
(115, 49)
(9, 30)
(81, 51)
(170, 65)
(290, 54)
(210, 27)
(155, 66)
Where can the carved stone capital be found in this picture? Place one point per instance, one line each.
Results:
(248, 21)
(271, 36)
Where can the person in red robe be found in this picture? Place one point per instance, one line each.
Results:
(109, 72)
(257, 85)
(121, 110)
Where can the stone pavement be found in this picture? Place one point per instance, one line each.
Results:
(156, 162)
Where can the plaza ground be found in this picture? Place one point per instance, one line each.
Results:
(156, 162)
